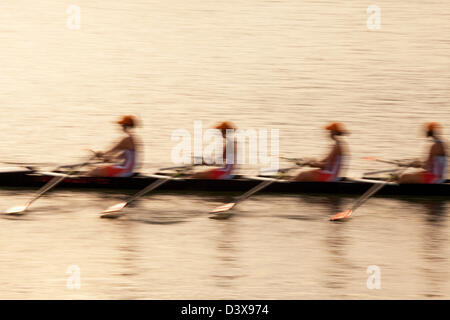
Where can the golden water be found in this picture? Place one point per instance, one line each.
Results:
(289, 65)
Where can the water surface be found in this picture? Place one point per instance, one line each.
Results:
(289, 65)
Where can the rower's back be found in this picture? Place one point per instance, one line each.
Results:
(129, 152)
(437, 159)
(337, 159)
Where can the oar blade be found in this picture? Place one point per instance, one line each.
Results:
(17, 210)
(116, 208)
(224, 208)
(342, 215)
(223, 211)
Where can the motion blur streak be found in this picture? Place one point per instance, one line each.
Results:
(287, 65)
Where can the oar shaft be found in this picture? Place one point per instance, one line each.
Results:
(56, 180)
(400, 163)
(282, 170)
(291, 159)
(379, 171)
(255, 189)
(53, 182)
(175, 167)
(388, 161)
(149, 188)
(371, 191)
(49, 185)
(227, 207)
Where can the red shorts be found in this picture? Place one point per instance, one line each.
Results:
(115, 171)
(430, 178)
(220, 173)
(325, 176)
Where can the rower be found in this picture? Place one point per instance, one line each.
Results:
(434, 168)
(226, 171)
(330, 167)
(124, 153)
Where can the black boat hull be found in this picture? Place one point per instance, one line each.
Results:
(34, 180)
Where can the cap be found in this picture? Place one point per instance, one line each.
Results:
(225, 125)
(128, 121)
(337, 127)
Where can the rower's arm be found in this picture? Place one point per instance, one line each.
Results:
(415, 164)
(321, 164)
(125, 143)
(317, 164)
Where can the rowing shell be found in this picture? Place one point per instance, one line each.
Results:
(32, 179)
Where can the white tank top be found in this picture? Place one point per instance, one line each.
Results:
(230, 152)
(129, 162)
(336, 166)
(439, 165)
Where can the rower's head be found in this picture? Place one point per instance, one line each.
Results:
(224, 126)
(127, 122)
(432, 129)
(336, 129)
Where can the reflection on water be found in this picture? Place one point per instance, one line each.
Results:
(227, 270)
(433, 252)
(128, 260)
(273, 247)
(337, 242)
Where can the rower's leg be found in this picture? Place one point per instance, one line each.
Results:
(110, 171)
(202, 175)
(98, 172)
(211, 174)
(308, 176)
(414, 177)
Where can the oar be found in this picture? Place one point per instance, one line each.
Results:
(49, 185)
(28, 164)
(225, 208)
(347, 213)
(79, 165)
(183, 168)
(281, 170)
(114, 210)
(291, 159)
(372, 190)
(221, 211)
(174, 168)
(298, 161)
(370, 173)
(400, 163)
